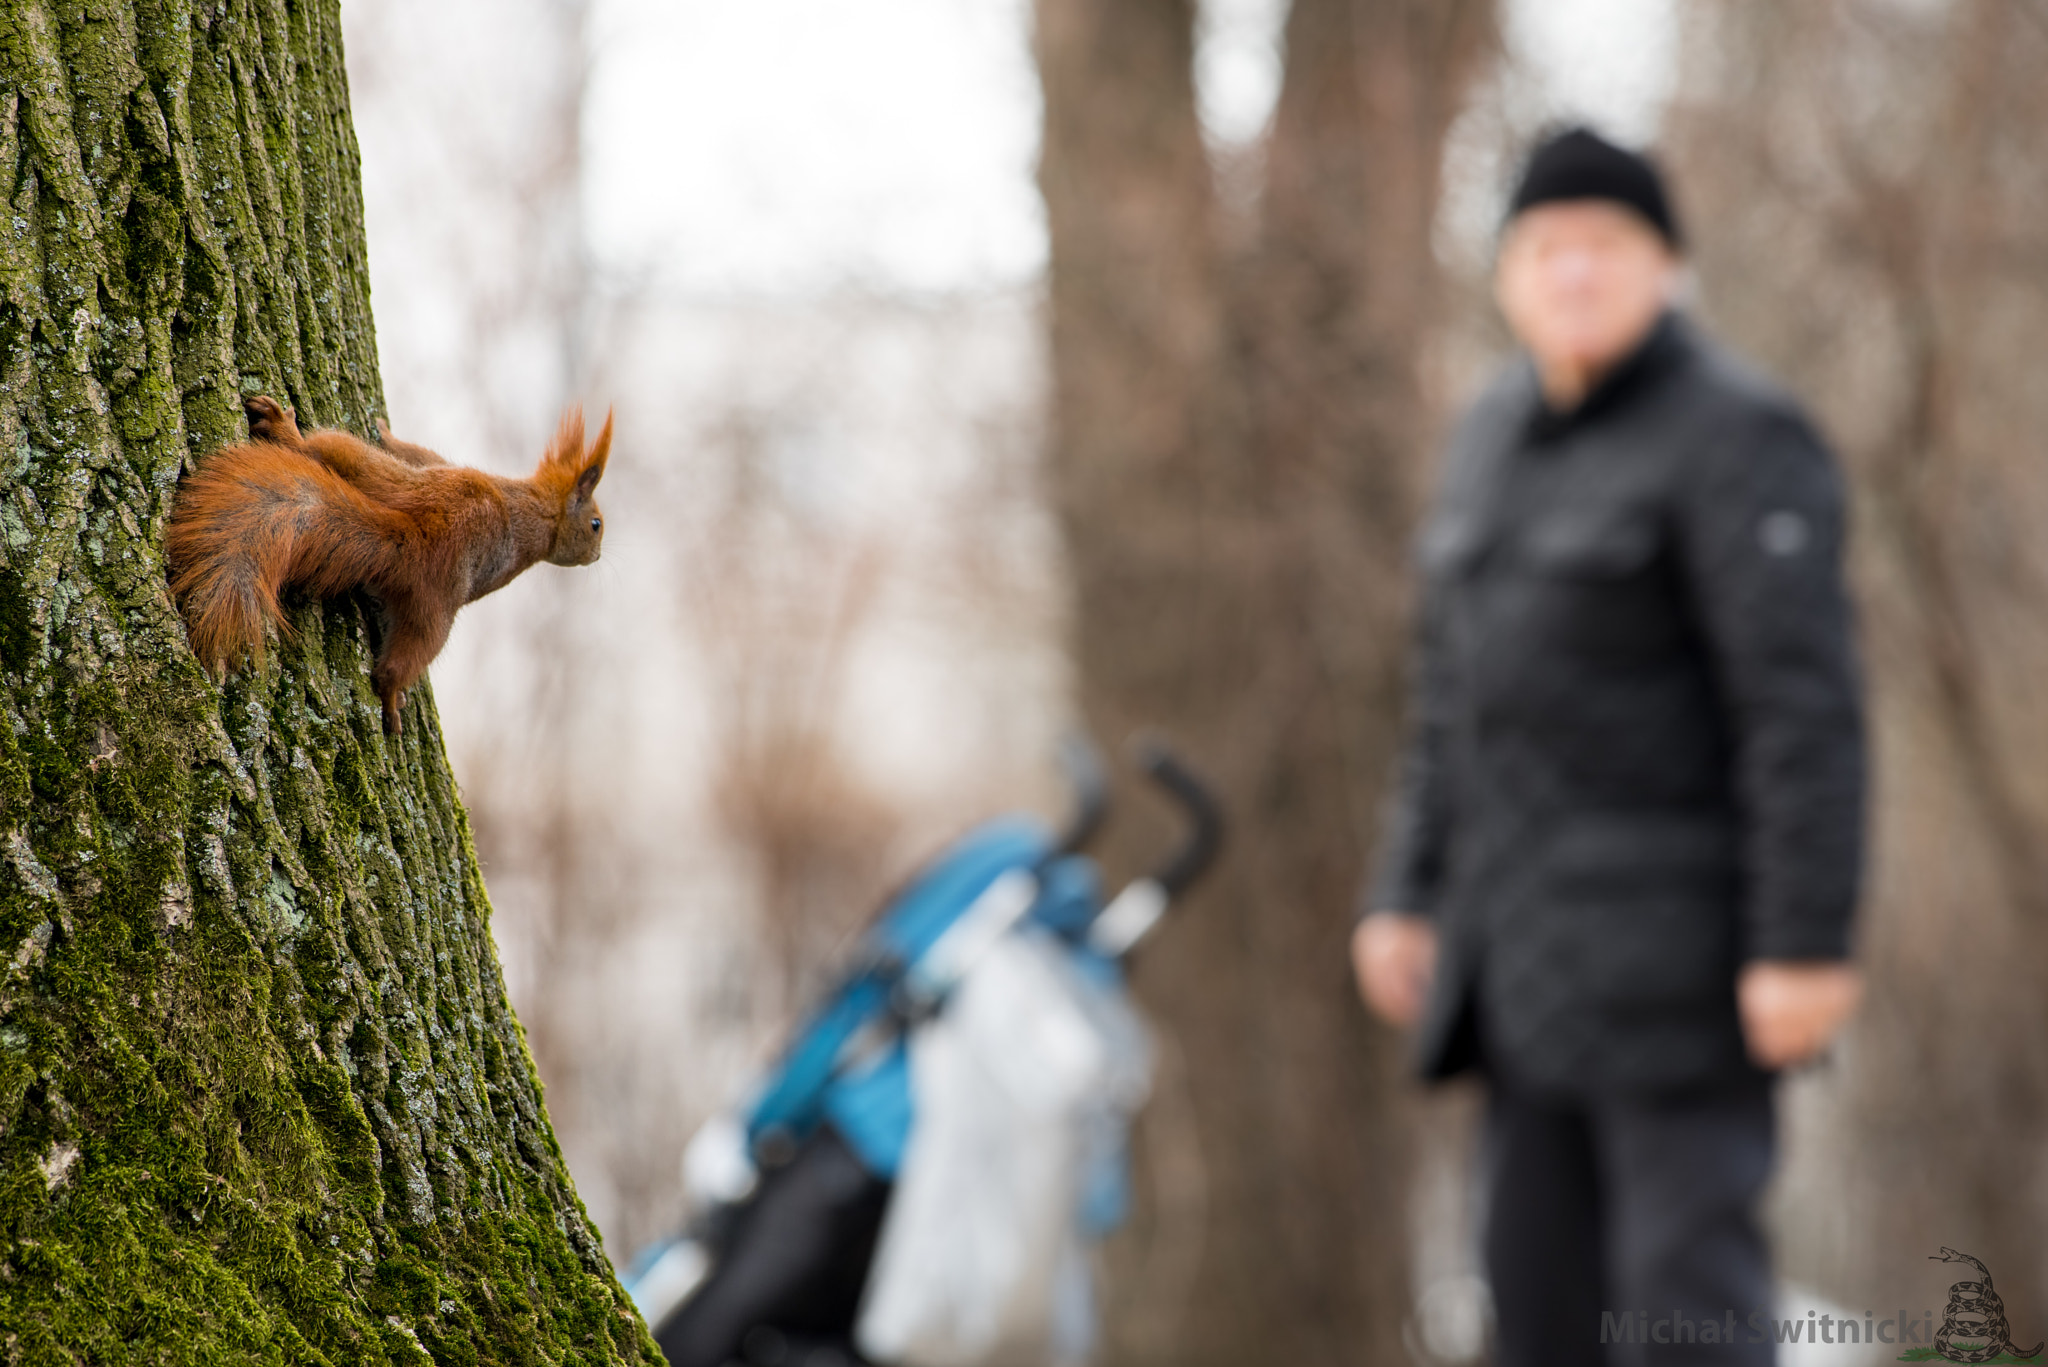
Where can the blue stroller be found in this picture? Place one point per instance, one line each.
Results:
(795, 1184)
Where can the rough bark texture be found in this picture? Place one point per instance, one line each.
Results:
(261, 1096)
(1238, 422)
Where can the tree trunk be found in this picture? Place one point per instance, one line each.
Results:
(1887, 257)
(261, 1096)
(1236, 434)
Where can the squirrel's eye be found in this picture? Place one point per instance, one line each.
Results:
(596, 523)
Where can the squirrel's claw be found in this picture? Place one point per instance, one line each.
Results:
(270, 420)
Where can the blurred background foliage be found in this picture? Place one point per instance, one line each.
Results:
(985, 369)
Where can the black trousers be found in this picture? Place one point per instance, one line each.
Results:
(1636, 1216)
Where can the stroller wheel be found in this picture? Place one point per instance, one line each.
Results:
(785, 1290)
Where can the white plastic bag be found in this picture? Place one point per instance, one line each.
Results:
(981, 1261)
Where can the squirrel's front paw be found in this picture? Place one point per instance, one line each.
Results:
(271, 421)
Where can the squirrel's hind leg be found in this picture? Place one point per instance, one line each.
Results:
(271, 421)
(394, 704)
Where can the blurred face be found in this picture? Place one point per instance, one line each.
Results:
(1582, 282)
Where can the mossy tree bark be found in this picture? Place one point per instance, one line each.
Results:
(261, 1095)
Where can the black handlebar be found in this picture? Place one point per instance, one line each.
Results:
(1205, 817)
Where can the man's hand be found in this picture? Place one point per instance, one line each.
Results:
(1791, 1008)
(1394, 955)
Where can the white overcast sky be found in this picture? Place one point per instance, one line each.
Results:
(793, 145)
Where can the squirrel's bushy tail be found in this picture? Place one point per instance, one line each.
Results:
(255, 519)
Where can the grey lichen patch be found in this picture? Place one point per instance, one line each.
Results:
(261, 1096)
(55, 1165)
(34, 946)
(286, 915)
(39, 882)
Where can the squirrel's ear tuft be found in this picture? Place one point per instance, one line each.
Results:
(567, 447)
(563, 460)
(594, 460)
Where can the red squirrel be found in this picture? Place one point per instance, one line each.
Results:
(327, 512)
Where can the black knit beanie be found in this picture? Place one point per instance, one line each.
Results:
(1580, 164)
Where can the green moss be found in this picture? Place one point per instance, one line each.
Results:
(261, 1096)
(17, 634)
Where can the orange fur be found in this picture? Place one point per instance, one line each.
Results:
(326, 512)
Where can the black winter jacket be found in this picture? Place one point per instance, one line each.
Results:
(1636, 752)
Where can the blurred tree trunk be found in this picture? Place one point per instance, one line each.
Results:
(1238, 422)
(261, 1096)
(1869, 194)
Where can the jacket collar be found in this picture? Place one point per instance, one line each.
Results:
(1656, 354)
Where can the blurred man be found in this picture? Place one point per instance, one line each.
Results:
(1620, 868)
